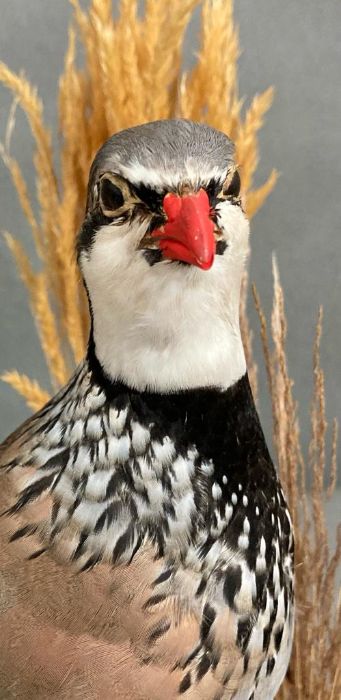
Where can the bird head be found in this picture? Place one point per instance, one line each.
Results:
(161, 250)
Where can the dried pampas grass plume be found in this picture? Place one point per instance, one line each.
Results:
(142, 57)
(315, 666)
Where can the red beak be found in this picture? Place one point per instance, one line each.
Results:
(187, 234)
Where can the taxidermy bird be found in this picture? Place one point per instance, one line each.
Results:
(147, 548)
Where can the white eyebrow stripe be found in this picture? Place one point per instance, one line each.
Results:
(195, 172)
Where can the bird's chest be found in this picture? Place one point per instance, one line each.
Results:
(219, 532)
(189, 475)
(184, 507)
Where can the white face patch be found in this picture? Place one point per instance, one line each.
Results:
(168, 326)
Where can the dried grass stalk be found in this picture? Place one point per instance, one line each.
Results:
(314, 668)
(141, 56)
(24, 200)
(33, 394)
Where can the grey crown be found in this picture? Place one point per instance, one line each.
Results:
(164, 146)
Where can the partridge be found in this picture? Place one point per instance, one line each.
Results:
(146, 544)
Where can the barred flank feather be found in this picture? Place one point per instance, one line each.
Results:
(141, 57)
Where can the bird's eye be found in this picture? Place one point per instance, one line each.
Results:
(232, 189)
(111, 196)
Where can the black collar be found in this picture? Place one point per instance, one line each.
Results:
(223, 425)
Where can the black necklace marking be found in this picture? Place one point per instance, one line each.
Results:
(224, 428)
(224, 425)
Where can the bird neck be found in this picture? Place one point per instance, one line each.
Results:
(200, 454)
(122, 465)
(173, 339)
(223, 425)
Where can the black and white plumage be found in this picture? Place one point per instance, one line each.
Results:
(144, 490)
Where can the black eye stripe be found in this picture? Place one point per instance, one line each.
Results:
(110, 195)
(152, 199)
(233, 188)
(213, 188)
(155, 222)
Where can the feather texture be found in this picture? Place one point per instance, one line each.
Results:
(141, 551)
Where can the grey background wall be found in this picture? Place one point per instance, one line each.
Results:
(294, 46)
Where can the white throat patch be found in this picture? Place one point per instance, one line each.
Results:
(168, 326)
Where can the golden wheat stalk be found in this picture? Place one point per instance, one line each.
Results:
(131, 74)
(33, 394)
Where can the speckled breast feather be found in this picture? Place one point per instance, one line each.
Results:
(104, 474)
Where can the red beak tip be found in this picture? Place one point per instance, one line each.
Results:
(206, 264)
